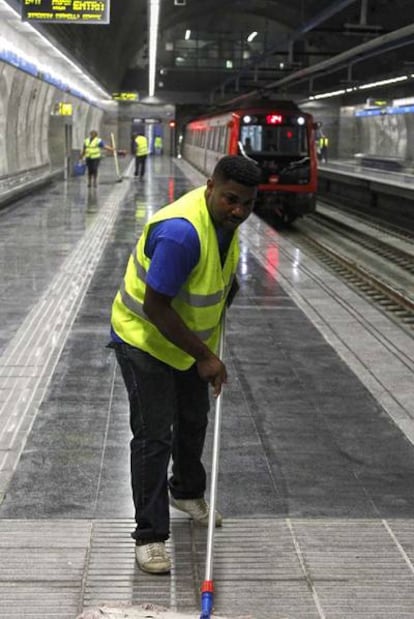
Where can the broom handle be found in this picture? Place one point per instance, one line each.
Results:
(115, 153)
(215, 467)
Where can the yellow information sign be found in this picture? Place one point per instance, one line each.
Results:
(65, 109)
(69, 11)
(61, 108)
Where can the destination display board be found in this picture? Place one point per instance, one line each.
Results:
(68, 11)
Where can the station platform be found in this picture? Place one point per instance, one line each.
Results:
(316, 481)
(403, 179)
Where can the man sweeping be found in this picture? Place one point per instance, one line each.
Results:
(165, 331)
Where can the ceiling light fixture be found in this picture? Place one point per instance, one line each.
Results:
(187, 35)
(251, 36)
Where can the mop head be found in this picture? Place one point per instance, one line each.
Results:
(143, 611)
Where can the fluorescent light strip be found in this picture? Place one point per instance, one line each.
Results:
(251, 36)
(154, 14)
(335, 93)
(187, 35)
(383, 82)
(326, 95)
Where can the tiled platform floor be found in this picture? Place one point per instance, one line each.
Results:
(316, 469)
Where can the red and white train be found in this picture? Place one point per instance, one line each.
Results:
(278, 136)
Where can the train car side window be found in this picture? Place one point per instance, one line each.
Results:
(226, 139)
(210, 136)
(211, 139)
(215, 138)
(222, 139)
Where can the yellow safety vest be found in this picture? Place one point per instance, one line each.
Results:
(199, 303)
(92, 148)
(142, 146)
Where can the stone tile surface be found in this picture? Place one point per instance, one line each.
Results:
(316, 477)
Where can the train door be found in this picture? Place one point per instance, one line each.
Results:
(60, 144)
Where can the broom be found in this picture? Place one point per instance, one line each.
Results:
(207, 588)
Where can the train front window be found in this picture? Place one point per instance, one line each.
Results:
(281, 139)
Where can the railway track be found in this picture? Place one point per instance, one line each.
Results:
(391, 253)
(371, 259)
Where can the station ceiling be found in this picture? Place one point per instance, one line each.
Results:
(302, 47)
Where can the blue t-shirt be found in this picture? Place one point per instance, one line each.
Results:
(174, 249)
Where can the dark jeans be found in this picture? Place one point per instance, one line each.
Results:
(168, 417)
(140, 165)
(92, 165)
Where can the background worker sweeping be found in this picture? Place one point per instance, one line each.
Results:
(91, 152)
(165, 332)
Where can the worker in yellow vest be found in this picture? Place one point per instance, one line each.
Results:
(158, 145)
(165, 329)
(91, 152)
(141, 153)
(323, 148)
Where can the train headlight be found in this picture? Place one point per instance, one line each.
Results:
(301, 120)
(247, 119)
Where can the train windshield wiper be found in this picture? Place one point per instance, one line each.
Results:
(298, 164)
(244, 153)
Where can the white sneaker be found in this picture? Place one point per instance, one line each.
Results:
(198, 509)
(153, 558)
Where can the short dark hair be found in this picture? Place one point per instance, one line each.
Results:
(239, 169)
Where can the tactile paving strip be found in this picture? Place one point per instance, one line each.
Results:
(114, 576)
(29, 360)
(271, 569)
(255, 563)
(268, 568)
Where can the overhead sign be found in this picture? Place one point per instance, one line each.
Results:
(61, 108)
(125, 96)
(65, 109)
(146, 121)
(376, 103)
(69, 11)
(390, 109)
